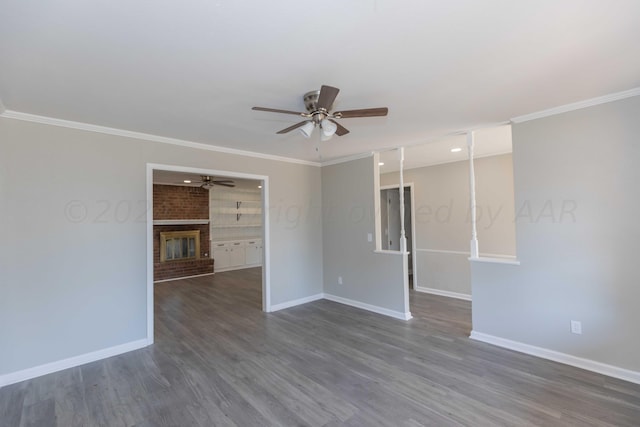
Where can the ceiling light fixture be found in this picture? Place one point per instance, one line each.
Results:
(259, 186)
(456, 150)
(328, 129)
(307, 129)
(380, 163)
(187, 181)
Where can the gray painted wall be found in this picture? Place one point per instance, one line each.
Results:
(581, 265)
(348, 216)
(72, 285)
(443, 220)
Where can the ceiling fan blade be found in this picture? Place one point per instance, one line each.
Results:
(365, 112)
(327, 96)
(224, 184)
(275, 110)
(290, 128)
(341, 129)
(224, 181)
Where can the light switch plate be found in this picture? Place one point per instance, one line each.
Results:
(576, 327)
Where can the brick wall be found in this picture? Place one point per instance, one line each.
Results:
(176, 202)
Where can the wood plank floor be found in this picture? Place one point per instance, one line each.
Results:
(219, 361)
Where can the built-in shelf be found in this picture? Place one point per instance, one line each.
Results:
(254, 202)
(235, 212)
(180, 221)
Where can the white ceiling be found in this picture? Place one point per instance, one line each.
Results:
(193, 69)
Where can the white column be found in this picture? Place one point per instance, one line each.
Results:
(376, 200)
(403, 237)
(472, 197)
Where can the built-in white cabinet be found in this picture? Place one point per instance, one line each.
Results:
(220, 254)
(236, 254)
(253, 252)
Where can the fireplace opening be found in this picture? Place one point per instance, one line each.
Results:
(179, 245)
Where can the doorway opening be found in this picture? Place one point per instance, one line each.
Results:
(390, 222)
(201, 222)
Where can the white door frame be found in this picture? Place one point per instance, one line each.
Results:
(266, 258)
(413, 227)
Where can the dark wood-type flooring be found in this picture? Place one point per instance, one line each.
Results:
(219, 361)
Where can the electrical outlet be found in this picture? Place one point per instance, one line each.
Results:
(369, 237)
(576, 327)
(339, 280)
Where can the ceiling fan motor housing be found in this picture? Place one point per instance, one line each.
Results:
(311, 100)
(311, 104)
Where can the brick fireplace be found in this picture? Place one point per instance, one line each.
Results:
(180, 209)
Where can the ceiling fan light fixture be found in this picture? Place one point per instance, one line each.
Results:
(307, 129)
(207, 182)
(328, 128)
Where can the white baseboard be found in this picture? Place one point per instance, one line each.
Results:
(185, 277)
(295, 302)
(346, 301)
(241, 267)
(48, 368)
(374, 308)
(567, 359)
(449, 294)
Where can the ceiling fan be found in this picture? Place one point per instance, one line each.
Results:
(208, 182)
(318, 104)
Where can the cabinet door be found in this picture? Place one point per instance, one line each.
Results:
(221, 256)
(252, 253)
(237, 254)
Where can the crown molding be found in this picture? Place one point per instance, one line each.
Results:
(578, 105)
(17, 115)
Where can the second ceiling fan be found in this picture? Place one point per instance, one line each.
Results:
(207, 182)
(318, 104)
